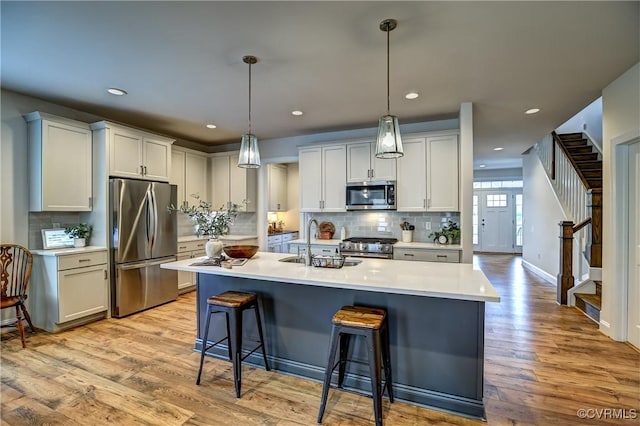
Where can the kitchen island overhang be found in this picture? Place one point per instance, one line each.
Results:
(436, 321)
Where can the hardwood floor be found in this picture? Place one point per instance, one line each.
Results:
(543, 363)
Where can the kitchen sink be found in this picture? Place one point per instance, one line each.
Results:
(296, 259)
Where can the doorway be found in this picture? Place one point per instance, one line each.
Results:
(497, 217)
(633, 307)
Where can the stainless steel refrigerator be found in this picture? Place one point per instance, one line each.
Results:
(143, 236)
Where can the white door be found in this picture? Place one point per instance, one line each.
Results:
(633, 301)
(496, 222)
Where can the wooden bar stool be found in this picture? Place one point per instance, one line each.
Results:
(372, 324)
(232, 304)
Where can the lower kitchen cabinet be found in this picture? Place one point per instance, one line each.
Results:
(279, 243)
(68, 289)
(427, 255)
(300, 248)
(189, 250)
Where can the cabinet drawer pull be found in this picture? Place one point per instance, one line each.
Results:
(326, 251)
(84, 260)
(409, 254)
(200, 245)
(442, 255)
(182, 247)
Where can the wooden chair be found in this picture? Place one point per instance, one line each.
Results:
(15, 270)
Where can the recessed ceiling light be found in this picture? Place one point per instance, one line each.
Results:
(532, 111)
(482, 166)
(499, 148)
(116, 91)
(297, 112)
(412, 95)
(211, 126)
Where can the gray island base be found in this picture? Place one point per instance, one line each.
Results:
(435, 316)
(437, 343)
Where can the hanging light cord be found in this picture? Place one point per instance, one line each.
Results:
(249, 97)
(388, 108)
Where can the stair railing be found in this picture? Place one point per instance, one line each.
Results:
(579, 202)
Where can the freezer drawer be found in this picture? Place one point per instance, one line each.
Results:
(141, 285)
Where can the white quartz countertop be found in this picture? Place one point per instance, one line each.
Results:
(69, 250)
(318, 241)
(431, 246)
(224, 237)
(430, 279)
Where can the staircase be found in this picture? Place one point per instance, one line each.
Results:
(584, 158)
(589, 303)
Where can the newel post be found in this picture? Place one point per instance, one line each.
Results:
(565, 275)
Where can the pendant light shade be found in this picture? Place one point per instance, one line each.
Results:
(249, 157)
(389, 142)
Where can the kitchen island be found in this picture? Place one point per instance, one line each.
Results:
(435, 314)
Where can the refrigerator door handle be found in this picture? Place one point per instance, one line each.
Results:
(149, 224)
(139, 265)
(154, 216)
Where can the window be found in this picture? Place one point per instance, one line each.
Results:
(475, 219)
(496, 200)
(519, 219)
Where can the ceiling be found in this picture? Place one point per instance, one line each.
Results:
(181, 64)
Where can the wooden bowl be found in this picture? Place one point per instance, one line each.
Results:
(239, 252)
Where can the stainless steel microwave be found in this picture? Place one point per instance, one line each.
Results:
(379, 195)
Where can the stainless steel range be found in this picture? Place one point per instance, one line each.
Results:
(381, 248)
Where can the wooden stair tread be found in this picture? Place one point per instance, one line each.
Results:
(589, 164)
(589, 156)
(570, 136)
(594, 300)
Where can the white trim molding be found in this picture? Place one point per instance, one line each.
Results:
(539, 272)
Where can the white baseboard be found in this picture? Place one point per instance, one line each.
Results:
(539, 272)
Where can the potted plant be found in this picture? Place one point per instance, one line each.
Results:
(80, 233)
(209, 223)
(449, 234)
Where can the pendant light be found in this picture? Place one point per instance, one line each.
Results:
(389, 142)
(249, 157)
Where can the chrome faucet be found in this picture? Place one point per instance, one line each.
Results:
(307, 255)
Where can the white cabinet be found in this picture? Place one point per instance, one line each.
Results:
(69, 289)
(189, 250)
(231, 184)
(426, 255)
(277, 185)
(411, 187)
(274, 243)
(364, 166)
(322, 178)
(298, 248)
(280, 243)
(428, 174)
(60, 165)
(442, 173)
(189, 173)
(134, 153)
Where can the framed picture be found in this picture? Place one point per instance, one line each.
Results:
(55, 238)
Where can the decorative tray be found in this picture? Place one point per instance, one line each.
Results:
(328, 261)
(220, 261)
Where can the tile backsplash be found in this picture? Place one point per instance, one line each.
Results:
(48, 220)
(244, 224)
(385, 224)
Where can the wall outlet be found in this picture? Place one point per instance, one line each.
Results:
(427, 225)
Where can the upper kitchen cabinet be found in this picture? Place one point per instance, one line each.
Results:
(428, 174)
(363, 166)
(189, 173)
(60, 164)
(134, 153)
(277, 184)
(442, 173)
(323, 178)
(232, 184)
